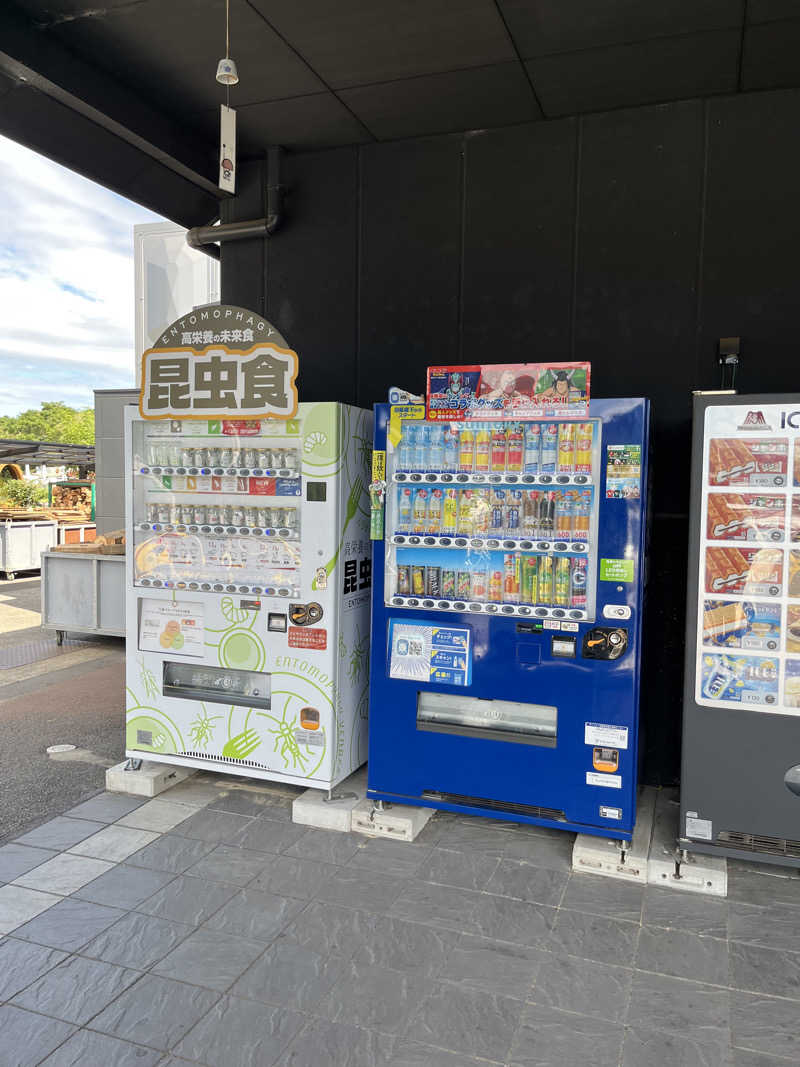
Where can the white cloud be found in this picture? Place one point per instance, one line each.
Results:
(66, 283)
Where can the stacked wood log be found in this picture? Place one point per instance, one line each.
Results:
(73, 498)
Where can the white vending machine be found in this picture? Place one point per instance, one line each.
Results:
(248, 590)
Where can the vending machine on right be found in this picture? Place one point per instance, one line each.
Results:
(740, 780)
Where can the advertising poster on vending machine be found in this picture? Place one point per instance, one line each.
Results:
(748, 643)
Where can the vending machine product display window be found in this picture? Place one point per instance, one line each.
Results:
(249, 576)
(507, 606)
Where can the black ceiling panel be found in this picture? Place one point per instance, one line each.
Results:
(355, 42)
(477, 98)
(672, 68)
(768, 10)
(542, 27)
(771, 57)
(317, 121)
(169, 49)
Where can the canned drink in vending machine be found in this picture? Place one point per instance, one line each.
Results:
(544, 594)
(511, 579)
(433, 581)
(214, 515)
(226, 457)
(463, 584)
(264, 457)
(251, 516)
(213, 457)
(584, 439)
(529, 566)
(164, 513)
(577, 582)
(249, 458)
(201, 457)
(562, 582)
(478, 585)
(403, 585)
(448, 584)
(152, 514)
(226, 514)
(418, 580)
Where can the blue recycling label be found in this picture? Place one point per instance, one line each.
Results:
(287, 487)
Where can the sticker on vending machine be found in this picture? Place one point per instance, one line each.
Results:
(605, 735)
(610, 781)
(623, 472)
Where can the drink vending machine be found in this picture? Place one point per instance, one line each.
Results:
(507, 601)
(740, 776)
(248, 575)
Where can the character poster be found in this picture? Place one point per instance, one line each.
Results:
(508, 391)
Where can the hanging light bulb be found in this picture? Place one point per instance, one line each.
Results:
(227, 74)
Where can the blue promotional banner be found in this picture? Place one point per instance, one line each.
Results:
(438, 654)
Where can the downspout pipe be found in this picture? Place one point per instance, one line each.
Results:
(208, 238)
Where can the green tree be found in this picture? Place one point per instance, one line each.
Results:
(55, 421)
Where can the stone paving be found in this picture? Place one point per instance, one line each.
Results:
(205, 927)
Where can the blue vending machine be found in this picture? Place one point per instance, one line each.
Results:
(507, 614)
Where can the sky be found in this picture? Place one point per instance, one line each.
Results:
(66, 283)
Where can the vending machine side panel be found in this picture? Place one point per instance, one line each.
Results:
(740, 774)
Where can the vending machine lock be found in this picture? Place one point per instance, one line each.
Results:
(604, 642)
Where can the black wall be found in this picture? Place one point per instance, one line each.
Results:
(634, 239)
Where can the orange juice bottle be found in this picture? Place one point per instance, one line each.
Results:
(466, 450)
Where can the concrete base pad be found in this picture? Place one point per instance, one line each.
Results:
(601, 855)
(313, 808)
(396, 821)
(150, 780)
(695, 873)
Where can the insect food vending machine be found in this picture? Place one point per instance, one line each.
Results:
(740, 779)
(507, 601)
(248, 575)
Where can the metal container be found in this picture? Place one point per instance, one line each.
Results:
(22, 543)
(83, 593)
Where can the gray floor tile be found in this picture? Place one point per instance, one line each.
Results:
(438, 905)
(776, 927)
(504, 919)
(19, 859)
(19, 905)
(240, 1033)
(583, 986)
(552, 852)
(123, 886)
(60, 833)
(215, 827)
(467, 870)
(292, 878)
(226, 863)
(413, 1054)
(651, 1048)
(26, 1038)
(354, 888)
(265, 835)
(611, 897)
(468, 835)
(251, 914)
(699, 1012)
(747, 1058)
(137, 941)
(751, 887)
(550, 1038)
(115, 843)
(289, 975)
(764, 1024)
(274, 806)
(171, 853)
(76, 989)
(493, 966)
(594, 937)
(374, 998)
(327, 846)
(405, 946)
(764, 970)
(64, 873)
(328, 929)
(321, 1042)
(210, 959)
(69, 925)
(106, 807)
(188, 900)
(88, 1049)
(155, 1010)
(691, 912)
(536, 885)
(22, 963)
(477, 1023)
(683, 955)
(395, 859)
